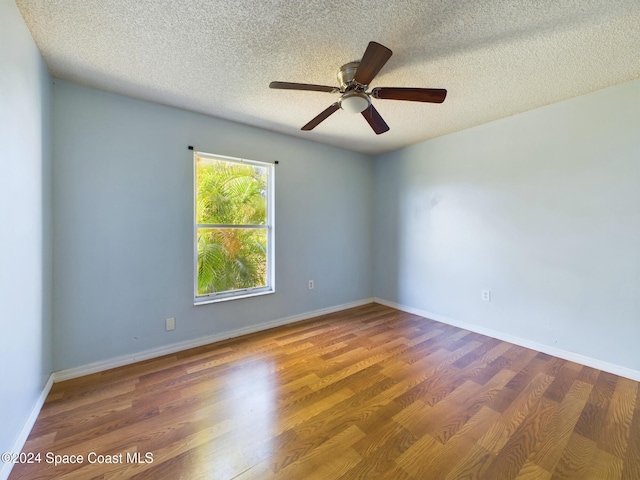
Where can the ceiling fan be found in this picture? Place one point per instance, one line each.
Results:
(354, 79)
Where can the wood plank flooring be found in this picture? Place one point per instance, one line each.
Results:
(365, 393)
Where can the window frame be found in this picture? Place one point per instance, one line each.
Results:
(216, 297)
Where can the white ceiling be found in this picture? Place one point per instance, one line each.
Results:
(495, 57)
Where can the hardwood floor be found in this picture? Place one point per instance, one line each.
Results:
(366, 393)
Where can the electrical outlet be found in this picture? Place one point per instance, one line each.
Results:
(486, 295)
(171, 324)
(310, 284)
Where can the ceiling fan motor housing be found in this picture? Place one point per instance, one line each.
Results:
(346, 74)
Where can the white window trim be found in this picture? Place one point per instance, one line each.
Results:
(246, 292)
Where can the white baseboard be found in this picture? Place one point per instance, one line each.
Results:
(523, 342)
(5, 468)
(100, 366)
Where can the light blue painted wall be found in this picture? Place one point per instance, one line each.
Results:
(25, 222)
(543, 208)
(123, 195)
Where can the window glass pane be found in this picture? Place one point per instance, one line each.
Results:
(230, 193)
(231, 259)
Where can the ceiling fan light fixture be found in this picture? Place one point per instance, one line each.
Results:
(354, 102)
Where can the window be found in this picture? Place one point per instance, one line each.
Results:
(233, 232)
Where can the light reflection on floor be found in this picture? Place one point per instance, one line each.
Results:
(249, 402)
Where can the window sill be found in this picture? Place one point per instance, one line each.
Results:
(206, 300)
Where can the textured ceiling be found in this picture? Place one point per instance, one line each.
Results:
(495, 57)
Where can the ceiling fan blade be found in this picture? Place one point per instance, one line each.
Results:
(431, 95)
(372, 116)
(303, 86)
(322, 117)
(374, 58)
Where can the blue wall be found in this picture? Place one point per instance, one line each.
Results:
(542, 208)
(25, 219)
(123, 246)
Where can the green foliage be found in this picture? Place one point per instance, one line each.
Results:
(230, 194)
